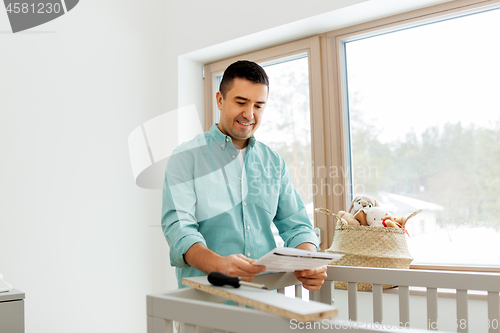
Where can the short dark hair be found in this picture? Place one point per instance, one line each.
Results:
(243, 69)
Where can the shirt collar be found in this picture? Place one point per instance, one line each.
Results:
(218, 136)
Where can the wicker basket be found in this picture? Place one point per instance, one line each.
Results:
(369, 247)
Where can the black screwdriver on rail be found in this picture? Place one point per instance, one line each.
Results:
(218, 279)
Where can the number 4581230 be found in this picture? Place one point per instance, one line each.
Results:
(39, 8)
(493, 324)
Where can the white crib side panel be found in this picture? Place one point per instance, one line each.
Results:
(352, 303)
(432, 306)
(404, 306)
(378, 316)
(462, 311)
(493, 312)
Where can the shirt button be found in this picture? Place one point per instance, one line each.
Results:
(233, 156)
(239, 178)
(244, 203)
(227, 139)
(248, 227)
(222, 145)
(248, 254)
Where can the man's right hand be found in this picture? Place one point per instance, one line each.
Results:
(207, 261)
(239, 265)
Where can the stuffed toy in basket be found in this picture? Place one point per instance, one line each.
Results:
(377, 240)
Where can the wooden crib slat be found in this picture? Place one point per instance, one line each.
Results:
(432, 308)
(493, 312)
(160, 325)
(352, 300)
(298, 290)
(189, 328)
(462, 312)
(169, 328)
(315, 295)
(404, 306)
(326, 293)
(377, 303)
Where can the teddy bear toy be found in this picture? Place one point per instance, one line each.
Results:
(375, 216)
(360, 202)
(365, 211)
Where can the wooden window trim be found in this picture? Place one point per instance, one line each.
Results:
(475, 269)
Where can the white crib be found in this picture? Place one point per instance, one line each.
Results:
(196, 308)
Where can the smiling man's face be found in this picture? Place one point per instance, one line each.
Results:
(241, 109)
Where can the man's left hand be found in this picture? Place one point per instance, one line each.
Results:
(312, 279)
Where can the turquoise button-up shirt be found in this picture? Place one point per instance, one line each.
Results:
(210, 198)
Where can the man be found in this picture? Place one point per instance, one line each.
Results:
(223, 189)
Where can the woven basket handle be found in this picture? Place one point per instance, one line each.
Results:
(409, 217)
(328, 212)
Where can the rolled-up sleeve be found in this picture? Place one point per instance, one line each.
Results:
(178, 221)
(291, 217)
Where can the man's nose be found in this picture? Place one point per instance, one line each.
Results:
(248, 112)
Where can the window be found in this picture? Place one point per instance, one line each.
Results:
(423, 125)
(286, 126)
(287, 120)
(405, 109)
(294, 73)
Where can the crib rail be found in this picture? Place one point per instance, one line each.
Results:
(202, 310)
(462, 282)
(196, 308)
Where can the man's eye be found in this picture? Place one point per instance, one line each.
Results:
(241, 103)
(258, 106)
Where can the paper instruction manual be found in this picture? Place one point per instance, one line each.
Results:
(288, 259)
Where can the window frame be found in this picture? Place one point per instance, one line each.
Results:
(336, 83)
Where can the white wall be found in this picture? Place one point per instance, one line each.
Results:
(75, 230)
(76, 233)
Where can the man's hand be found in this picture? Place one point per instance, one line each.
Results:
(207, 261)
(239, 265)
(312, 279)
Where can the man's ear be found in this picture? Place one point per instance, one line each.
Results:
(219, 98)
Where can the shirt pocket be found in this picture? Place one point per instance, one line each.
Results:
(269, 192)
